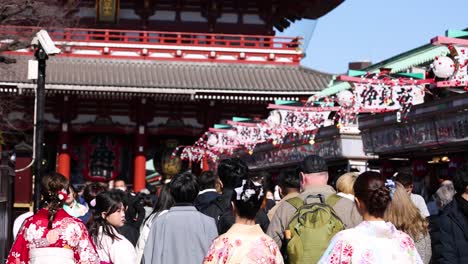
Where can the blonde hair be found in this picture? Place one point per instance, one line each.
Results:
(405, 215)
(346, 181)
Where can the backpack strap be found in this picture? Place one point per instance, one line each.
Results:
(296, 202)
(333, 199)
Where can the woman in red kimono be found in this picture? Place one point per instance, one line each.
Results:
(52, 235)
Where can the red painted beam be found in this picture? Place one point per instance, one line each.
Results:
(442, 40)
(325, 109)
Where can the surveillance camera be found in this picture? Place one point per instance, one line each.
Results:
(43, 38)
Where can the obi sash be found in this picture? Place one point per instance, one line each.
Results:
(51, 255)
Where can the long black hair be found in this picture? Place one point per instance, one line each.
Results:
(52, 185)
(165, 201)
(106, 202)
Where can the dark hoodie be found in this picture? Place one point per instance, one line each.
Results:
(221, 210)
(204, 200)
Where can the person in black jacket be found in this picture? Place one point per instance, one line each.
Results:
(231, 172)
(207, 182)
(451, 246)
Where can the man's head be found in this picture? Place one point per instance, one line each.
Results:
(207, 180)
(444, 195)
(231, 172)
(184, 188)
(406, 180)
(289, 182)
(120, 184)
(313, 171)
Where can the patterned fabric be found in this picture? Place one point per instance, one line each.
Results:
(75, 209)
(371, 242)
(244, 244)
(67, 232)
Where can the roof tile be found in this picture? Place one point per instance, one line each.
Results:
(179, 75)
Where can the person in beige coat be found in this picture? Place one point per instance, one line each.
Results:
(289, 186)
(314, 177)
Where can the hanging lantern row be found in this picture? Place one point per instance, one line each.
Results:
(370, 93)
(298, 125)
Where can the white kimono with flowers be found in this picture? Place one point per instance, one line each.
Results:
(371, 242)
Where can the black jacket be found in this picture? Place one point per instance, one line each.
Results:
(451, 240)
(204, 200)
(221, 210)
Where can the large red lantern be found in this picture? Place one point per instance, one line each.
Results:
(102, 158)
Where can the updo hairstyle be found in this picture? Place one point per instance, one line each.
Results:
(248, 199)
(370, 189)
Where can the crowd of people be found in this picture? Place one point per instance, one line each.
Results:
(236, 216)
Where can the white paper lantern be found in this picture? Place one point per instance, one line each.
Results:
(274, 119)
(443, 67)
(212, 140)
(345, 98)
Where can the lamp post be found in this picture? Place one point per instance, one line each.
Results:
(45, 46)
(41, 57)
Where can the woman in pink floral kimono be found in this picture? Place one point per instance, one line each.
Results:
(374, 240)
(52, 235)
(245, 241)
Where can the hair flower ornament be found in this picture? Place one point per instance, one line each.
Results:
(390, 184)
(93, 202)
(62, 195)
(245, 192)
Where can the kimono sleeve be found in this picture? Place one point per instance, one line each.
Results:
(339, 251)
(216, 252)
(122, 252)
(151, 252)
(85, 252)
(20, 250)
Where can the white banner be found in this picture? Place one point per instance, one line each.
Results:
(378, 96)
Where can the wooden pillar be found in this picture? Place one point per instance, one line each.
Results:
(63, 159)
(139, 173)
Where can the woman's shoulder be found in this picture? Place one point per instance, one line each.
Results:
(267, 240)
(121, 243)
(348, 234)
(124, 242)
(404, 239)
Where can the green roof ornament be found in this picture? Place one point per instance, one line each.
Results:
(456, 33)
(355, 73)
(419, 75)
(222, 126)
(241, 119)
(285, 102)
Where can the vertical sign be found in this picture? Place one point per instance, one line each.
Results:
(107, 10)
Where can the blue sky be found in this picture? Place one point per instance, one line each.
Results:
(375, 30)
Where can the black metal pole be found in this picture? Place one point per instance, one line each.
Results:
(41, 56)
